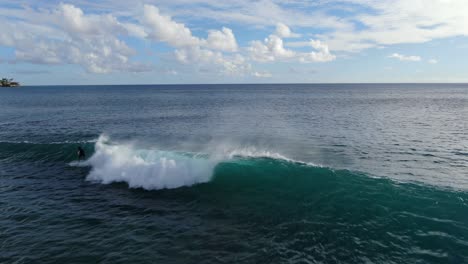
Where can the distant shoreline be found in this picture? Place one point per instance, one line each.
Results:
(7, 83)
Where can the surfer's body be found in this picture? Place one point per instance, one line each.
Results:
(81, 153)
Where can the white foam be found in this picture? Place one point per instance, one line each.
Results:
(252, 152)
(52, 143)
(147, 168)
(74, 141)
(154, 169)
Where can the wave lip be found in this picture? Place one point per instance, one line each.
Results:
(227, 152)
(147, 168)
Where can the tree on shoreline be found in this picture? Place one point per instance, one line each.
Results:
(5, 82)
(8, 82)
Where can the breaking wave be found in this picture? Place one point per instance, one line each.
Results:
(147, 168)
(153, 169)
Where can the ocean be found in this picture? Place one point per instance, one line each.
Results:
(284, 173)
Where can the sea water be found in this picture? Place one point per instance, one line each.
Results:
(326, 173)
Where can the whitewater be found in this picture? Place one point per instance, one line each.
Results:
(154, 169)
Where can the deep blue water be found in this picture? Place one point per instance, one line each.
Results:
(235, 173)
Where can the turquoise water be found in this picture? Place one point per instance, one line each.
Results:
(234, 173)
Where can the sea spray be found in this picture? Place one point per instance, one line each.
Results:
(147, 168)
(154, 169)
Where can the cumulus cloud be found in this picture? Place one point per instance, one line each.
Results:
(404, 58)
(66, 35)
(222, 40)
(368, 24)
(321, 55)
(163, 28)
(195, 50)
(284, 31)
(273, 49)
(73, 20)
(97, 37)
(197, 56)
(270, 49)
(69, 36)
(96, 56)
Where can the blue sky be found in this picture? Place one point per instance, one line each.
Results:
(215, 41)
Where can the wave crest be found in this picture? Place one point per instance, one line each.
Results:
(154, 169)
(147, 168)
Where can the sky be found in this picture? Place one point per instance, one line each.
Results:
(218, 41)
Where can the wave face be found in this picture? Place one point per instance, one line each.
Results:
(25, 151)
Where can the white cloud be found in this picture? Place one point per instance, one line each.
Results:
(263, 74)
(197, 56)
(368, 24)
(222, 40)
(284, 31)
(259, 13)
(96, 35)
(193, 50)
(171, 72)
(73, 20)
(404, 58)
(387, 22)
(272, 49)
(401, 21)
(321, 55)
(68, 36)
(163, 28)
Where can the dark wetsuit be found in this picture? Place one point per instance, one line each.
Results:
(81, 154)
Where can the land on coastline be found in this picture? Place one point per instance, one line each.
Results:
(9, 83)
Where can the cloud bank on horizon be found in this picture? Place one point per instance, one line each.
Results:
(234, 41)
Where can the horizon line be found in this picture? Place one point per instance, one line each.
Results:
(180, 84)
(279, 83)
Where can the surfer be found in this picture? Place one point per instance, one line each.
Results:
(81, 154)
